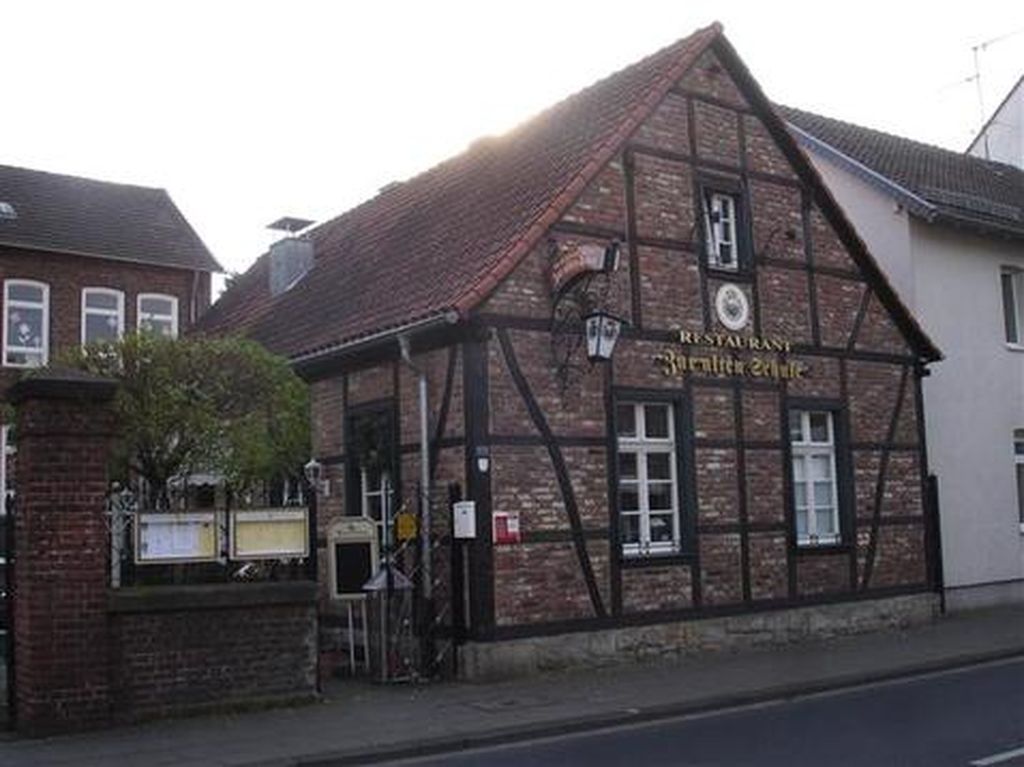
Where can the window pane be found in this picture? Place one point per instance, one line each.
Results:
(800, 494)
(629, 528)
(24, 358)
(18, 292)
(627, 466)
(819, 427)
(826, 523)
(1018, 447)
(821, 467)
(25, 327)
(629, 498)
(798, 468)
(796, 430)
(661, 528)
(801, 523)
(659, 466)
(625, 420)
(96, 300)
(656, 421)
(373, 506)
(162, 306)
(158, 327)
(1009, 308)
(822, 494)
(100, 327)
(659, 496)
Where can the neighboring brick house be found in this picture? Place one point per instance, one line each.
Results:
(949, 230)
(82, 259)
(754, 446)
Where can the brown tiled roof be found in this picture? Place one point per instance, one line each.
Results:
(82, 216)
(959, 189)
(442, 240)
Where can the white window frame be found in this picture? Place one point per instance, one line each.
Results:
(86, 310)
(1012, 279)
(804, 450)
(722, 230)
(140, 316)
(44, 350)
(642, 446)
(1018, 467)
(385, 491)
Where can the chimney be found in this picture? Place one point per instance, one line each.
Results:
(291, 256)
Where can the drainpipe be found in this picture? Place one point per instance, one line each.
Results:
(428, 586)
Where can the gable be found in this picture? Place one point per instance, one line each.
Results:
(812, 282)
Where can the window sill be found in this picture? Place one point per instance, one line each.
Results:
(740, 274)
(632, 561)
(1014, 347)
(823, 548)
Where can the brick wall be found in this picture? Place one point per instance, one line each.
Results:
(67, 275)
(739, 544)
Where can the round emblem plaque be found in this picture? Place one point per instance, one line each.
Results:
(732, 306)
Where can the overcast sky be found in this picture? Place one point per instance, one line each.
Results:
(246, 111)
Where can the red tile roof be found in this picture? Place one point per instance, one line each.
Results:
(443, 240)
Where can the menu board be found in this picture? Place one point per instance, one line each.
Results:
(270, 534)
(176, 537)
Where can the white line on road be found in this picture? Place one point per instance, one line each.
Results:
(998, 758)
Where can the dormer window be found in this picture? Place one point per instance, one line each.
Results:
(7, 210)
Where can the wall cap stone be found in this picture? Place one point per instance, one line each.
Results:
(147, 599)
(63, 383)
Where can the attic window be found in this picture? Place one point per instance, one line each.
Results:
(7, 210)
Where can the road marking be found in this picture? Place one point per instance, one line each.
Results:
(998, 758)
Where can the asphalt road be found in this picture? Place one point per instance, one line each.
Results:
(973, 715)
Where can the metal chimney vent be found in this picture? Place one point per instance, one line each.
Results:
(290, 257)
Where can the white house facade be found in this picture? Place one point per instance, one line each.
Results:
(1002, 137)
(949, 230)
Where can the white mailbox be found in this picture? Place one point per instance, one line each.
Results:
(464, 513)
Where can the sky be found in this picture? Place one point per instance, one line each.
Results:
(248, 111)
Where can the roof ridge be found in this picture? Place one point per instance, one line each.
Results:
(76, 177)
(960, 156)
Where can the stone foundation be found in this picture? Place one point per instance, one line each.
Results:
(491, 660)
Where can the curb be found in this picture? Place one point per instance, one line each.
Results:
(643, 714)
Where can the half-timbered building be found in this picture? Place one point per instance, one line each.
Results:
(747, 467)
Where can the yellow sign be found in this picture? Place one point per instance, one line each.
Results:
(675, 364)
(405, 526)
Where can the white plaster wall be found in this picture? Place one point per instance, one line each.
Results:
(974, 400)
(1004, 133)
(881, 223)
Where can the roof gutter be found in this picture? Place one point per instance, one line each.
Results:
(912, 202)
(441, 319)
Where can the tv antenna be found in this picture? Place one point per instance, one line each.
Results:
(977, 50)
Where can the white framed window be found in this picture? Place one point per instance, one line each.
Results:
(815, 488)
(158, 314)
(374, 491)
(1018, 465)
(26, 323)
(648, 494)
(1012, 287)
(102, 315)
(720, 214)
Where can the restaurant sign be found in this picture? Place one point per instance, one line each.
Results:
(720, 359)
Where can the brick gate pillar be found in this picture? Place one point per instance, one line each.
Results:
(65, 428)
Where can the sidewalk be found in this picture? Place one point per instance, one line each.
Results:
(359, 722)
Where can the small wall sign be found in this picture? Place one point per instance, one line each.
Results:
(464, 515)
(506, 527)
(732, 306)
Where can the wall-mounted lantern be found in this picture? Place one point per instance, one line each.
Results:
(602, 331)
(314, 476)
